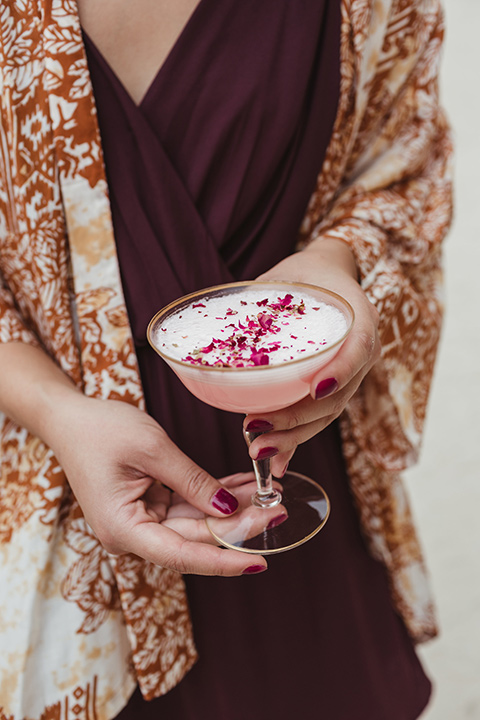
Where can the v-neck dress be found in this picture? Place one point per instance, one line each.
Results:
(209, 178)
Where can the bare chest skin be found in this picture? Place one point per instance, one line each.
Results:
(135, 38)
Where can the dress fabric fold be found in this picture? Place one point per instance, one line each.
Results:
(209, 179)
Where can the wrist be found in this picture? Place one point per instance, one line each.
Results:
(56, 406)
(32, 388)
(336, 253)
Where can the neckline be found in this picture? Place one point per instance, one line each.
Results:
(169, 59)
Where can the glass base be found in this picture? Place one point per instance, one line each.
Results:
(301, 514)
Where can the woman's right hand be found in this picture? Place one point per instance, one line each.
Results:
(122, 467)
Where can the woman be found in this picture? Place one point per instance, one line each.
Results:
(268, 128)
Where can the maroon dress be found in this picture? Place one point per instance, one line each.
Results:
(209, 178)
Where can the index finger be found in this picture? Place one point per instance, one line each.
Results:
(167, 464)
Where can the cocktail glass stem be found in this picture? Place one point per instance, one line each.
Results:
(266, 496)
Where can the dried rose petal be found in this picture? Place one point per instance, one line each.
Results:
(265, 320)
(259, 358)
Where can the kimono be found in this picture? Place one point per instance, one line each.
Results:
(80, 628)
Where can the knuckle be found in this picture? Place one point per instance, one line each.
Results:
(153, 440)
(367, 342)
(175, 562)
(108, 541)
(288, 444)
(295, 418)
(196, 482)
(337, 406)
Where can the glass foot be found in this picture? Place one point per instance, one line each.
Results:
(301, 514)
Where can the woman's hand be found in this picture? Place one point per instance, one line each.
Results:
(122, 468)
(329, 264)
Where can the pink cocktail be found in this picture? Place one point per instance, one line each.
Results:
(255, 347)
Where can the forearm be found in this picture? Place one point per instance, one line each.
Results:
(33, 388)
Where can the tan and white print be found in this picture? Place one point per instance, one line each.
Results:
(78, 628)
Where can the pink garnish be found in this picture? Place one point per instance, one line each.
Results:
(259, 358)
(265, 320)
(260, 303)
(198, 305)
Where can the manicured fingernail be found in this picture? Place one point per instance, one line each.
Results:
(225, 501)
(325, 388)
(254, 569)
(267, 452)
(277, 521)
(259, 426)
(284, 470)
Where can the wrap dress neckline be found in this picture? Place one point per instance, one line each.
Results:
(210, 175)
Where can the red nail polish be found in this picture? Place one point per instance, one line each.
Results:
(274, 522)
(254, 569)
(325, 388)
(258, 425)
(225, 501)
(267, 452)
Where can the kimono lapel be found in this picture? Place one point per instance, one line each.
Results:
(109, 365)
(362, 27)
(98, 305)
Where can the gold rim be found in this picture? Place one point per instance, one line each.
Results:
(186, 299)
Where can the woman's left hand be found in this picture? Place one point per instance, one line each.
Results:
(329, 264)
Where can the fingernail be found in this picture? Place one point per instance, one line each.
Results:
(225, 501)
(325, 388)
(284, 470)
(277, 521)
(254, 569)
(259, 426)
(267, 452)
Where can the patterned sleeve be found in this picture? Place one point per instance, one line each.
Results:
(12, 326)
(394, 211)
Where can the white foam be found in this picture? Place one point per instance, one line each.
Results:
(210, 330)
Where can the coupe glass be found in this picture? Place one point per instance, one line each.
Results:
(275, 514)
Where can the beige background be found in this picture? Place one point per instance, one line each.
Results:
(445, 486)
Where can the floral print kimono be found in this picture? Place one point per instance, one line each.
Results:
(79, 628)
